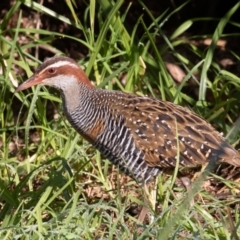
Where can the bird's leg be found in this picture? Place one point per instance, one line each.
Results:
(187, 184)
(150, 195)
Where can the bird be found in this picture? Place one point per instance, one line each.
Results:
(141, 135)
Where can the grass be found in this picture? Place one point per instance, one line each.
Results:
(58, 187)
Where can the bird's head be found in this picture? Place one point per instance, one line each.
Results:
(58, 72)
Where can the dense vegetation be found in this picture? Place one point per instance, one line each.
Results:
(54, 185)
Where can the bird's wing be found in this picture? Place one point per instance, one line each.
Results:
(165, 132)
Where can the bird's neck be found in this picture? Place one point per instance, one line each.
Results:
(71, 98)
(78, 106)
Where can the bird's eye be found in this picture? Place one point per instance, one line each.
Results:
(51, 70)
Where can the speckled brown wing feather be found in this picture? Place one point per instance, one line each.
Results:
(163, 131)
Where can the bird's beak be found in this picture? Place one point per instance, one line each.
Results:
(32, 81)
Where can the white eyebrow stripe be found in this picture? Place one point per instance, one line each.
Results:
(62, 63)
